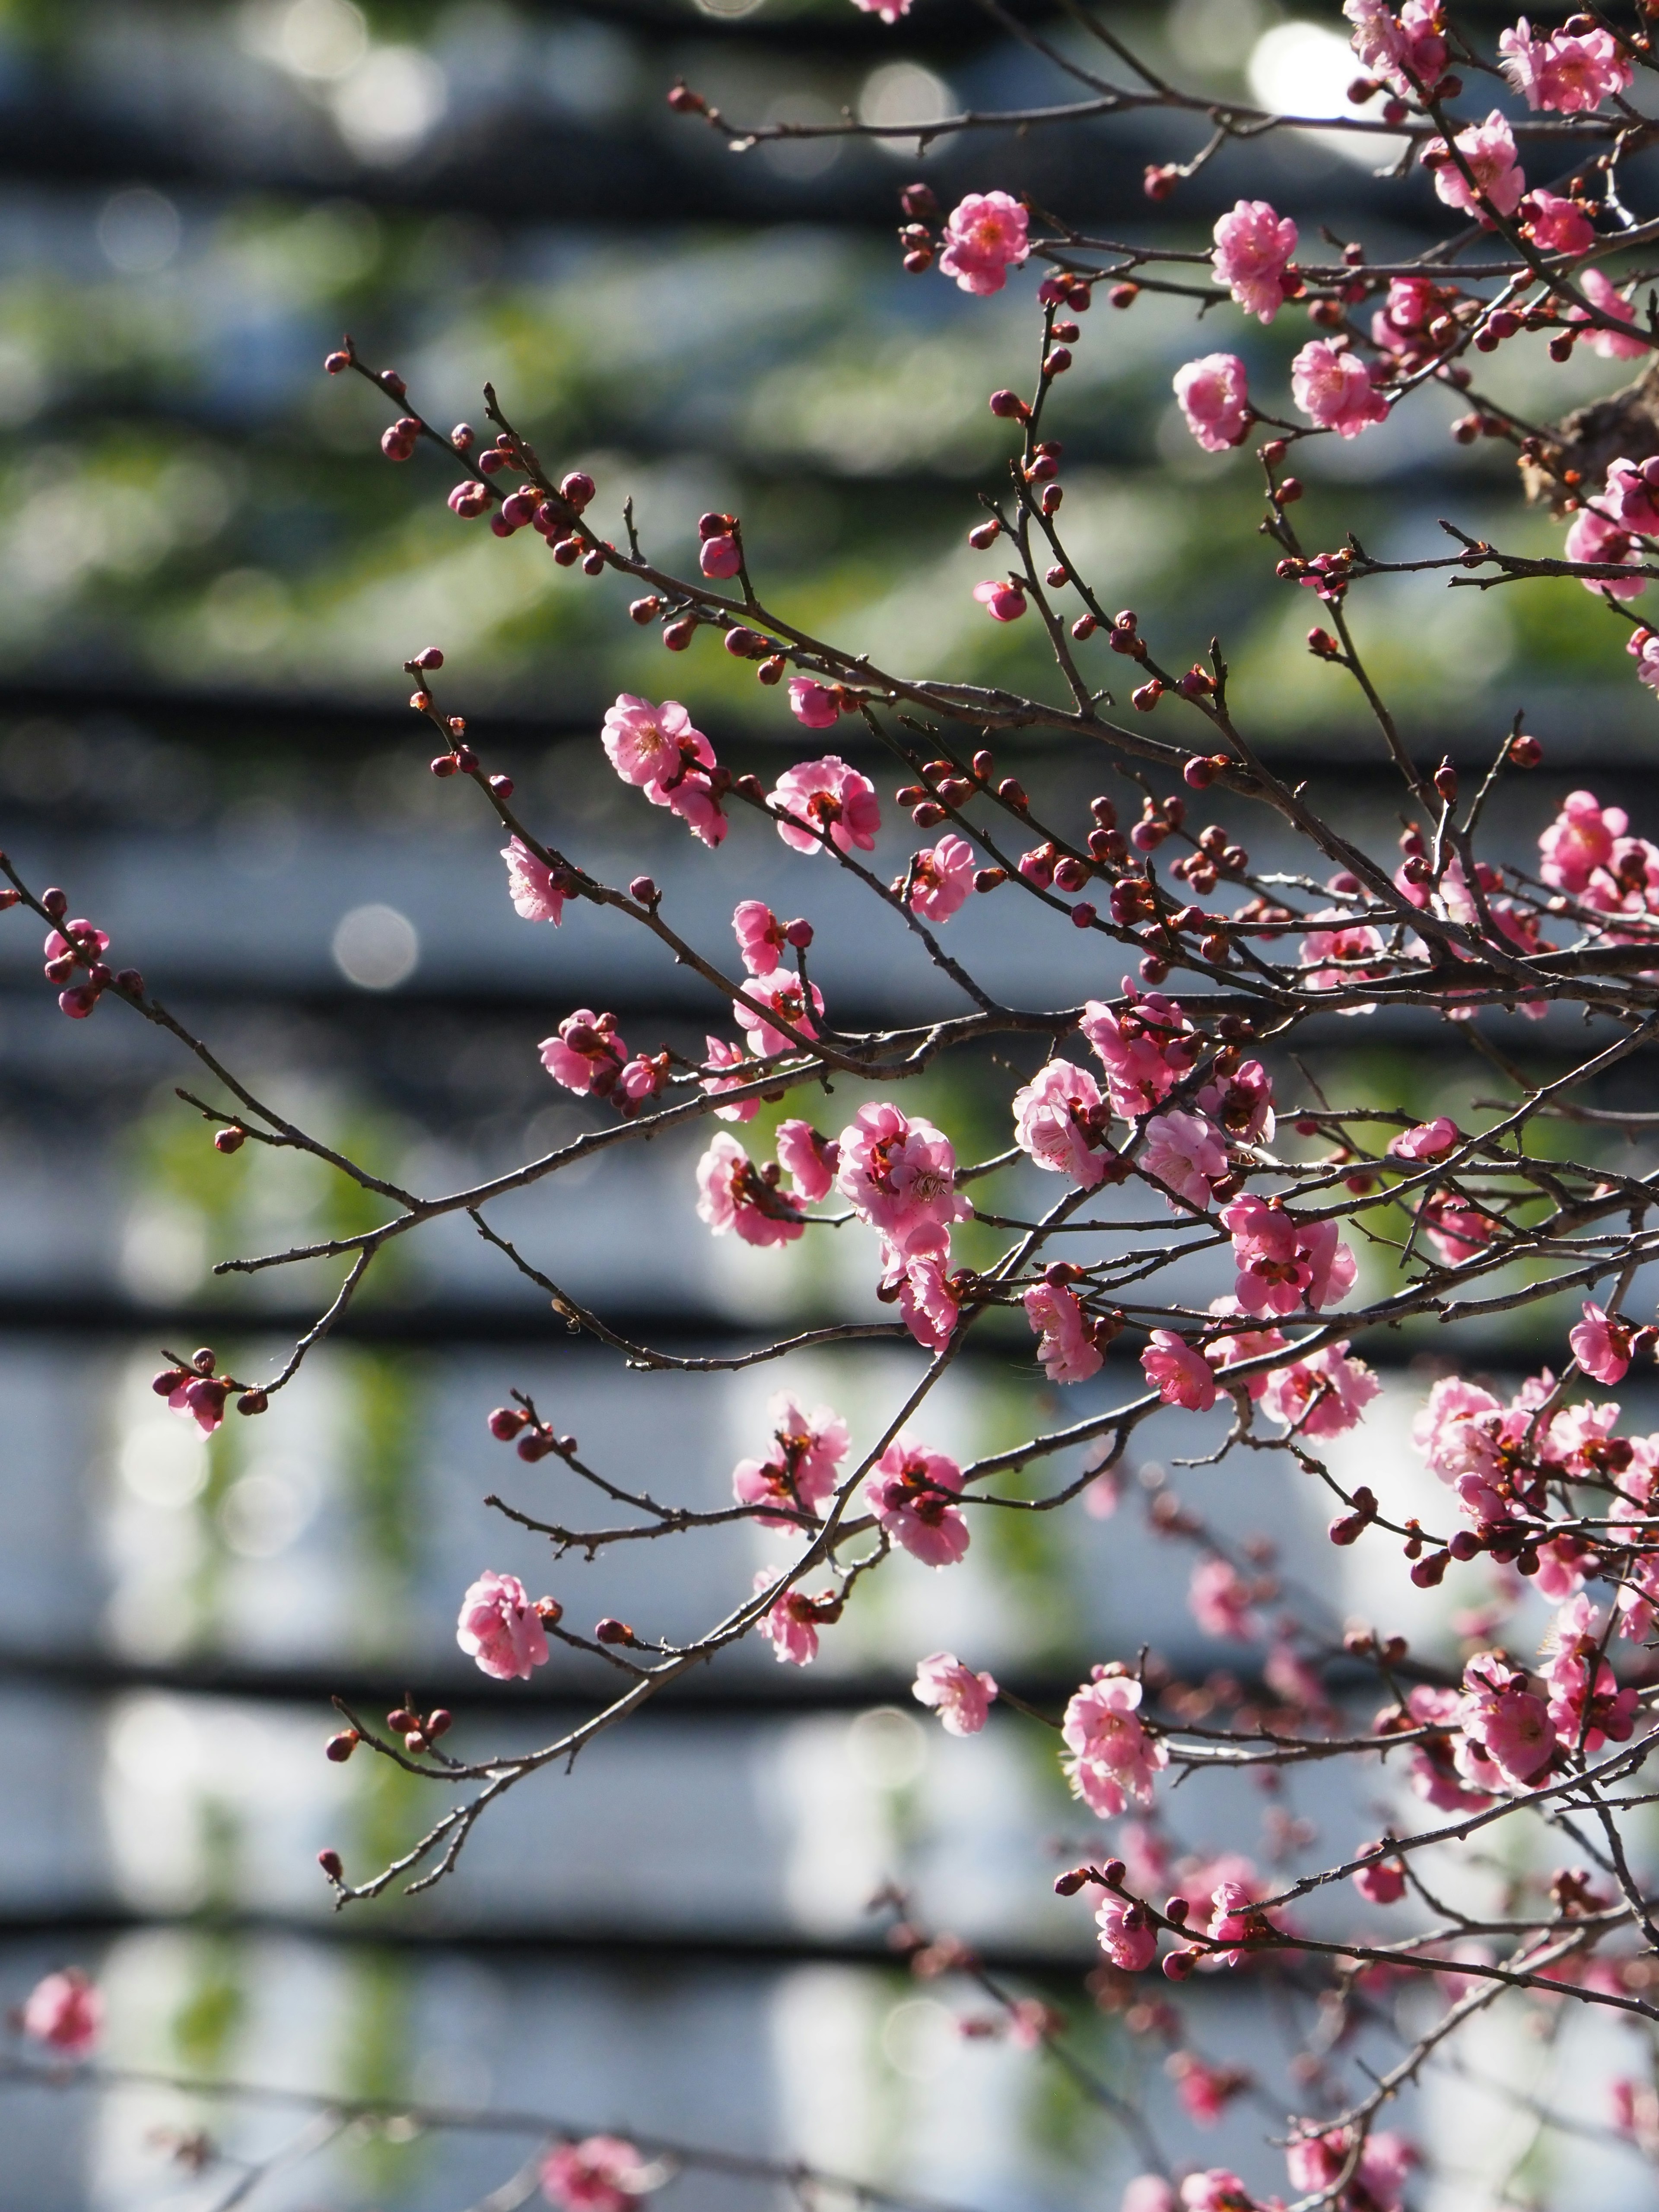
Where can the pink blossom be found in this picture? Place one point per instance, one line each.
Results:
(1488, 149)
(1601, 1346)
(657, 749)
(1601, 293)
(1557, 225)
(1068, 1351)
(1143, 1050)
(602, 2173)
(1448, 1432)
(1633, 2109)
(1429, 1140)
(501, 1629)
(985, 236)
(1219, 1598)
(1241, 1344)
(1631, 495)
(1127, 1938)
(1504, 1720)
(835, 798)
(588, 1053)
(798, 1473)
(720, 556)
(941, 879)
(1644, 646)
(1285, 1263)
(890, 11)
(723, 1054)
(1378, 2183)
(907, 1490)
(915, 1270)
(1185, 1154)
(1003, 598)
(1574, 1641)
(732, 1194)
(1060, 1121)
(1390, 45)
(1215, 2189)
(1242, 1105)
(1180, 1375)
(1214, 394)
(201, 1399)
(1579, 840)
(898, 1173)
(1148, 2193)
(1322, 1395)
(791, 1624)
(809, 1159)
(1437, 1762)
(1382, 1882)
(813, 703)
(1457, 1229)
(1110, 1757)
(1231, 1920)
(1349, 944)
(1637, 1598)
(64, 2011)
(961, 1697)
(1570, 73)
(760, 935)
(1253, 248)
(769, 1000)
(1333, 388)
(536, 893)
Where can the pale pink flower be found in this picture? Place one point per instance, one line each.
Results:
(1229, 1917)
(1434, 1771)
(1214, 394)
(602, 2173)
(1570, 73)
(1382, 1882)
(815, 704)
(1504, 1720)
(530, 885)
(201, 1399)
(1067, 1350)
(1601, 1346)
(1644, 646)
(1633, 2109)
(890, 11)
(1242, 1344)
(941, 879)
(961, 1697)
(798, 1473)
(1429, 1140)
(1557, 225)
(1573, 1641)
(1180, 1375)
(1143, 1050)
(1453, 1430)
(1219, 1598)
(1109, 1759)
(1060, 1121)
(723, 1054)
(760, 935)
(643, 741)
(501, 1629)
(915, 1270)
(834, 798)
(1253, 248)
(1002, 598)
(1379, 2181)
(809, 1159)
(1127, 1938)
(1333, 388)
(1185, 1154)
(1215, 2189)
(790, 1626)
(1488, 147)
(1322, 1395)
(64, 2011)
(1351, 942)
(985, 236)
(769, 1000)
(1579, 840)
(1457, 1231)
(587, 1054)
(1601, 293)
(898, 1173)
(908, 1492)
(1631, 495)
(1149, 2192)
(732, 1194)
(1390, 43)
(1637, 1597)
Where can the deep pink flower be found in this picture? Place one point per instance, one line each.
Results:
(1333, 387)
(1382, 1882)
(813, 703)
(916, 1270)
(1253, 248)
(1127, 1938)
(898, 1173)
(790, 1626)
(1579, 840)
(1068, 1351)
(1214, 394)
(1557, 225)
(1573, 1642)
(961, 1697)
(1390, 43)
(501, 1629)
(798, 1473)
(1429, 1140)
(1488, 147)
(1350, 942)
(1215, 2189)
(1242, 1106)
(1631, 495)
(732, 1194)
(723, 1054)
(1570, 73)
(1002, 598)
(840, 801)
(1185, 1154)
(1219, 1598)
(1110, 1757)
(1438, 1764)
(809, 1159)
(1378, 2183)
(1601, 1346)
(201, 1399)
(1143, 1050)
(1601, 293)
(779, 996)
(64, 2011)
(760, 935)
(1504, 1720)
(1457, 1231)
(530, 885)
(587, 1053)
(907, 1490)
(941, 879)
(1060, 1121)
(1322, 1395)
(657, 749)
(1242, 1344)
(985, 236)
(602, 2173)
(1180, 1375)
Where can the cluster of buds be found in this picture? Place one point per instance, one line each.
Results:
(1043, 466)
(944, 785)
(419, 1733)
(721, 554)
(536, 1438)
(1328, 574)
(194, 1389)
(74, 945)
(916, 235)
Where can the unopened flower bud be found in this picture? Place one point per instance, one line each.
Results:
(578, 489)
(336, 363)
(1010, 406)
(644, 889)
(984, 533)
(677, 635)
(799, 933)
(1084, 915)
(438, 1723)
(1069, 1883)
(55, 902)
(506, 1422)
(1057, 360)
(610, 1631)
(1146, 696)
(1011, 792)
(229, 1141)
(1084, 627)
(169, 1380)
(1526, 752)
(1178, 1965)
(253, 1401)
(329, 1862)
(987, 879)
(339, 1749)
